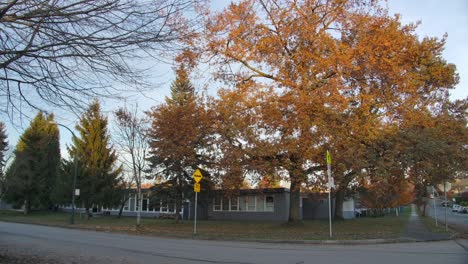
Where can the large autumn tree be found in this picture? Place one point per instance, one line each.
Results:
(98, 176)
(32, 175)
(321, 75)
(179, 135)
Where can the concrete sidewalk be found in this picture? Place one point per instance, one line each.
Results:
(416, 230)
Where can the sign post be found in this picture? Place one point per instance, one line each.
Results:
(446, 187)
(446, 205)
(434, 203)
(197, 176)
(330, 185)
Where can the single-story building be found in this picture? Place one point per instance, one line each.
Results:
(150, 208)
(265, 204)
(250, 204)
(244, 204)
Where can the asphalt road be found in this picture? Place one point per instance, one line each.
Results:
(457, 220)
(78, 246)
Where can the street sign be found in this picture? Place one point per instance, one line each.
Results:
(328, 157)
(196, 187)
(77, 192)
(197, 176)
(331, 182)
(445, 187)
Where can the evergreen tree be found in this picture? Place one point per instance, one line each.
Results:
(178, 137)
(31, 177)
(3, 149)
(98, 177)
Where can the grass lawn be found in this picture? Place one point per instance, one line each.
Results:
(360, 228)
(429, 222)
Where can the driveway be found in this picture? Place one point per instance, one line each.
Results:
(79, 246)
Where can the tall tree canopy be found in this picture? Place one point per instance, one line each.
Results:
(32, 175)
(64, 53)
(179, 135)
(433, 148)
(317, 75)
(96, 157)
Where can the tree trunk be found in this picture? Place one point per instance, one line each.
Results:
(139, 203)
(88, 214)
(26, 207)
(120, 210)
(122, 205)
(178, 206)
(178, 200)
(339, 199)
(294, 202)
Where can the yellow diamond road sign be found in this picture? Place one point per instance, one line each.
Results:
(196, 187)
(197, 176)
(328, 158)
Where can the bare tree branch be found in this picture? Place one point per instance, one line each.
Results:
(63, 53)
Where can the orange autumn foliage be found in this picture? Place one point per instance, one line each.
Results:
(314, 75)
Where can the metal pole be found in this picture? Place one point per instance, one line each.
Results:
(195, 216)
(445, 202)
(75, 165)
(329, 199)
(435, 209)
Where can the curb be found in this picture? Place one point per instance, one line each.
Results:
(334, 242)
(272, 241)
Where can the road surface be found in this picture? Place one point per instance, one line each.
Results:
(456, 220)
(78, 246)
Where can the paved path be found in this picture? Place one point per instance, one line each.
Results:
(60, 245)
(416, 230)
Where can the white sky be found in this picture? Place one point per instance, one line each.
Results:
(437, 17)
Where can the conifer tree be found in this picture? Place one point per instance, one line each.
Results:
(98, 177)
(32, 175)
(178, 136)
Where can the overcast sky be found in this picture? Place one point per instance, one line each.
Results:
(437, 18)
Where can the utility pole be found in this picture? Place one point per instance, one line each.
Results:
(75, 168)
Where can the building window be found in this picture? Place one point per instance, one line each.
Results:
(225, 204)
(217, 203)
(250, 203)
(171, 207)
(126, 205)
(163, 207)
(132, 204)
(234, 201)
(155, 205)
(269, 203)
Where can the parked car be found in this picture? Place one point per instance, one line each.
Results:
(455, 207)
(446, 203)
(463, 209)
